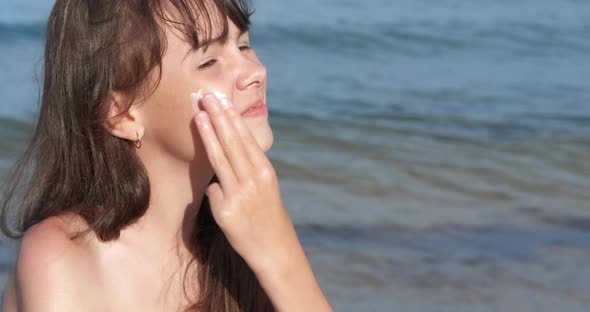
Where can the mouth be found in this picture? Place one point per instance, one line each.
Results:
(256, 108)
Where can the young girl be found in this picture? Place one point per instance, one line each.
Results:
(146, 186)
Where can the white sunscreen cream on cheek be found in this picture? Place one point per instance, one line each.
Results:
(198, 96)
(195, 99)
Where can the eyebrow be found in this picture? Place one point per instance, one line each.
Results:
(208, 42)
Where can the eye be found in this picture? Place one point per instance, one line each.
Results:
(245, 47)
(208, 64)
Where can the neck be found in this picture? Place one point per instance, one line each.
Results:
(176, 193)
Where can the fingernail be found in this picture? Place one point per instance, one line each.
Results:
(209, 98)
(195, 98)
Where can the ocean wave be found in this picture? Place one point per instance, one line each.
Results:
(445, 116)
(425, 38)
(416, 38)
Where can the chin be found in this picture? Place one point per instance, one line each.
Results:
(263, 135)
(266, 144)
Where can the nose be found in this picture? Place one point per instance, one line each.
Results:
(251, 73)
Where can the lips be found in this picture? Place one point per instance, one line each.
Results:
(253, 106)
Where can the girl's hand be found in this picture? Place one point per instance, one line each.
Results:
(247, 206)
(246, 203)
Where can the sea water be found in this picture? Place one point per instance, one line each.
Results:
(434, 155)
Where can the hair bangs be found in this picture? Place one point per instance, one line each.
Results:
(203, 22)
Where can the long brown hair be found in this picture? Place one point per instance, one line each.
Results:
(74, 165)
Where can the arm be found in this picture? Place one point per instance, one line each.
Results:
(291, 285)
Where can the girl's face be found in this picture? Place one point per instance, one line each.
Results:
(231, 68)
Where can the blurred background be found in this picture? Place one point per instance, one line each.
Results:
(433, 154)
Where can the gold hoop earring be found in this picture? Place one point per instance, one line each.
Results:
(138, 142)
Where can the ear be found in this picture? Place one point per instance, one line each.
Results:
(123, 120)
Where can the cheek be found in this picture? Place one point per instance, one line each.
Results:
(171, 107)
(167, 119)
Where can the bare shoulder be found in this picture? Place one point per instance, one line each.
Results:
(49, 243)
(53, 271)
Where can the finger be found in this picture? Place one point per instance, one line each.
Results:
(229, 137)
(219, 162)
